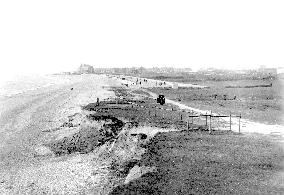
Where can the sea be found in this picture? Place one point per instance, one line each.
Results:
(24, 83)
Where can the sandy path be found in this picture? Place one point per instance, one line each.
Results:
(24, 117)
(247, 126)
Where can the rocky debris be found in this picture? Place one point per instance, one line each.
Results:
(141, 139)
(127, 152)
(42, 151)
(89, 136)
(73, 120)
(111, 125)
(123, 168)
(67, 124)
(140, 136)
(138, 171)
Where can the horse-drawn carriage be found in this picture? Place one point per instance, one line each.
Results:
(161, 99)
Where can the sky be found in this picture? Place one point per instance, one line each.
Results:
(58, 35)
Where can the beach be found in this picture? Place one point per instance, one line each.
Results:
(58, 139)
(26, 115)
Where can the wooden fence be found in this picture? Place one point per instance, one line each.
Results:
(190, 117)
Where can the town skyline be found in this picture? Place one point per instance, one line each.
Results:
(193, 34)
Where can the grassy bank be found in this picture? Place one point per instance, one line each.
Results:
(261, 104)
(186, 161)
(199, 163)
(196, 162)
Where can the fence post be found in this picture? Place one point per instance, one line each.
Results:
(210, 122)
(240, 123)
(181, 116)
(218, 122)
(98, 101)
(230, 122)
(187, 123)
(206, 120)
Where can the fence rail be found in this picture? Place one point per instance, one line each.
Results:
(190, 117)
(203, 119)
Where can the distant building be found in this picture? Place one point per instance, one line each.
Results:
(268, 71)
(86, 69)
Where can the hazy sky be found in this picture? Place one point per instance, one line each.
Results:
(58, 35)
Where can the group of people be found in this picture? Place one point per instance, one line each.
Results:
(140, 81)
(225, 97)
